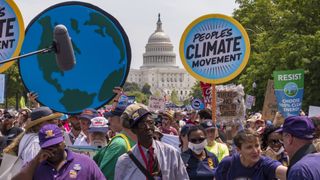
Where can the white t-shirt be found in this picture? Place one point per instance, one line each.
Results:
(81, 140)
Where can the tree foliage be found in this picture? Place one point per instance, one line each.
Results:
(174, 98)
(140, 97)
(14, 88)
(146, 89)
(284, 35)
(131, 86)
(196, 91)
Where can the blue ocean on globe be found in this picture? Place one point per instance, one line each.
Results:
(102, 54)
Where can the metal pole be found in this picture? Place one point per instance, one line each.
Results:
(46, 50)
(213, 103)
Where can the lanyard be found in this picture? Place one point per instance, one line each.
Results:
(143, 155)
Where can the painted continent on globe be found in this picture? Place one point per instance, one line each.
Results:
(102, 54)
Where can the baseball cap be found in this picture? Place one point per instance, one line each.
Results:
(88, 114)
(115, 112)
(298, 126)
(49, 135)
(208, 124)
(135, 113)
(98, 124)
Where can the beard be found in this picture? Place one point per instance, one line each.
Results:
(58, 156)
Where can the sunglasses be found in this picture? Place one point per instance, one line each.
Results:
(197, 141)
(275, 142)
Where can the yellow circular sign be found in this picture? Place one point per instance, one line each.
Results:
(214, 48)
(12, 32)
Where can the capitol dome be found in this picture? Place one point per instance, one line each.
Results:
(159, 36)
(159, 50)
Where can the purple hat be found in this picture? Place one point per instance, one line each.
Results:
(49, 135)
(116, 112)
(298, 126)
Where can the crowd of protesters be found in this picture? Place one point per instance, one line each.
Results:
(134, 143)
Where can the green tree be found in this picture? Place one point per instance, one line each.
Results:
(196, 91)
(174, 98)
(157, 93)
(284, 35)
(14, 87)
(131, 86)
(140, 97)
(146, 89)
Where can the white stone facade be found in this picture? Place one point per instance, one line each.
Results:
(159, 68)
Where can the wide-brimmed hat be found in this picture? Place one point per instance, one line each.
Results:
(40, 115)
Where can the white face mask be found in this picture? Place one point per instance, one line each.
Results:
(197, 148)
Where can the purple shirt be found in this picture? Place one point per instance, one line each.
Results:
(77, 166)
(231, 168)
(307, 168)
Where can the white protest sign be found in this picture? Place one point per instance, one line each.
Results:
(156, 103)
(2, 87)
(249, 101)
(314, 111)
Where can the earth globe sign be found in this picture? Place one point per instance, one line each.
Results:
(291, 89)
(12, 32)
(214, 48)
(102, 53)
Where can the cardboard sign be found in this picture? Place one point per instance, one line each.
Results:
(156, 103)
(214, 48)
(269, 109)
(230, 103)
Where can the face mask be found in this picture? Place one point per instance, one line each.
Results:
(197, 148)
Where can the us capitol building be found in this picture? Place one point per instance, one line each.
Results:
(159, 67)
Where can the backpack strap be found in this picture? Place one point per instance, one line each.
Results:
(140, 166)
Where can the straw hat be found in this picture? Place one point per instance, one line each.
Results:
(40, 115)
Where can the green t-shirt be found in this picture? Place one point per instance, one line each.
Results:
(107, 157)
(219, 149)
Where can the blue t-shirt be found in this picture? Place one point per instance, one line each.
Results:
(307, 168)
(231, 168)
(200, 169)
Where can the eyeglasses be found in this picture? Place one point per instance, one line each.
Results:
(197, 141)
